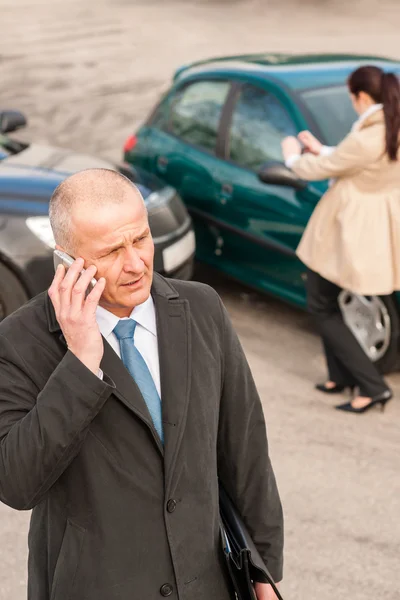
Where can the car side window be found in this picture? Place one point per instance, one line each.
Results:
(196, 113)
(259, 123)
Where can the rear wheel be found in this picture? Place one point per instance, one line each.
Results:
(374, 320)
(12, 294)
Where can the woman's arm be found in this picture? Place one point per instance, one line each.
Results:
(347, 157)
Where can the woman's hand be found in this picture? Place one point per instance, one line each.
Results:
(290, 146)
(310, 142)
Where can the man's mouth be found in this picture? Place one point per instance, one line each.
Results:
(133, 282)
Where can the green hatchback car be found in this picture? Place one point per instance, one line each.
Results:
(216, 137)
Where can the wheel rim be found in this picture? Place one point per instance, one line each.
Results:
(369, 320)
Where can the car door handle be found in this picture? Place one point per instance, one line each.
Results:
(225, 193)
(162, 163)
(227, 189)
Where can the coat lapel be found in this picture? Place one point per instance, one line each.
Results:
(112, 366)
(173, 333)
(126, 389)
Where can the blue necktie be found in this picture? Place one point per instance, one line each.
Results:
(137, 367)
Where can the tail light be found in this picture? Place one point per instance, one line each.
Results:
(130, 143)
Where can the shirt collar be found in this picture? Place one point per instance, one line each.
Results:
(144, 314)
(370, 111)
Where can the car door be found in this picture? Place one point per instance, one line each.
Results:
(261, 225)
(182, 151)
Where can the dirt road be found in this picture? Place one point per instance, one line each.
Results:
(86, 74)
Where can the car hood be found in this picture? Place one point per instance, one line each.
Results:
(59, 163)
(29, 178)
(56, 159)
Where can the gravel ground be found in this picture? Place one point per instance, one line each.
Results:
(86, 74)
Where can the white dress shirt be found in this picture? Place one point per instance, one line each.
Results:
(145, 335)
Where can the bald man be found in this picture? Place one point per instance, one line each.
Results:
(119, 411)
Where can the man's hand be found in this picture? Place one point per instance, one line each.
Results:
(264, 591)
(76, 314)
(310, 142)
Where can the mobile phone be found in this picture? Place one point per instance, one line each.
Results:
(62, 258)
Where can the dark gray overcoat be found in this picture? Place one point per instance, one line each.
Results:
(115, 515)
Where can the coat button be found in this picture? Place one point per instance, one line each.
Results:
(166, 589)
(171, 506)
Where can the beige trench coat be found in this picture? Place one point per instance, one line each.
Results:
(353, 236)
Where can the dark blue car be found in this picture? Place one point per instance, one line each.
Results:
(29, 173)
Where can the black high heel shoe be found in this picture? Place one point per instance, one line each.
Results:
(337, 389)
(381, 400)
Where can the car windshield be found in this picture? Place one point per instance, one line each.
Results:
(332, 110)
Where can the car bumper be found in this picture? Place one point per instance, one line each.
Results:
(185, 271)
(36, 271)
(173, 253)
(31, 260)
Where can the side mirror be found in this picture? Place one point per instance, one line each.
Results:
(276, 173)
(11, 120)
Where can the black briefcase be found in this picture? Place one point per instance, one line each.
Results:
(243, 560)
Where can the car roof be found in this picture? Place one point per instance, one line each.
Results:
(294, 71)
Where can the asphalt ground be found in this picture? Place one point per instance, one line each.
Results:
(86, 74)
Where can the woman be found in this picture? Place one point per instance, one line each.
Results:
(352, 240)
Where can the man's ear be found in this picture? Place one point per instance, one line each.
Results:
(58, 247)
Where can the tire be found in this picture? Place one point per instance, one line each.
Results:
(374, 320)
(12, 293)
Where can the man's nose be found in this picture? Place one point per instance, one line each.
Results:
(133, 262)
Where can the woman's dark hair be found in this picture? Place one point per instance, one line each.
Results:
(384, 88)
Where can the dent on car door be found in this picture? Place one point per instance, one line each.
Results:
(263, 223)
(187, 161)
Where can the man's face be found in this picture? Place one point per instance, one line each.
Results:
(116, 239)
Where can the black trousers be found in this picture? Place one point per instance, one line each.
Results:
(347, 362)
